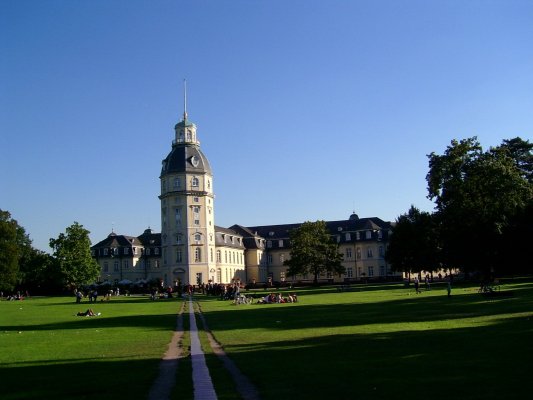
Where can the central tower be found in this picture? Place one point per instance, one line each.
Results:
(187, 210)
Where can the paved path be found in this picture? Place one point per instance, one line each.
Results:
(203, 385)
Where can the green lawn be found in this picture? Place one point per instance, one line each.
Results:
(47, 352)
(378, 342)
(383, 342)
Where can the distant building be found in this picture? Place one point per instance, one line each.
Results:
(192, 249)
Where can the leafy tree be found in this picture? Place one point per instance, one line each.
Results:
(413, 246)
(40, 273)
(313, 251)
(477, 194)
(10, 251)
(72, 252)
(521, 151)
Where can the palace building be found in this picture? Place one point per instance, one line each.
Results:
(191, 249)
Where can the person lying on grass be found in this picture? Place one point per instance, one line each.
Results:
(278, 298)
(88, 313)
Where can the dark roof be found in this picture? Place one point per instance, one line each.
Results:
(114, 240)
(184, 122)
(180, 159)
(221, 232)
(275, 233)
(252, 240)
(149, 239)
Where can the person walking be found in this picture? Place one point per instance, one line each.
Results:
(417, 285)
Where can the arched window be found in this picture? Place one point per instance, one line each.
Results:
(195, 182)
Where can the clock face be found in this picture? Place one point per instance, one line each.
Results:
(195, 161)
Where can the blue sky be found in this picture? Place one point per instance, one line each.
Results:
(306, 109)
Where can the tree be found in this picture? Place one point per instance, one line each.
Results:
(521, 151)
(10, 251)
(40, 273)
(476, 194)
(313, 251)
(413, 246)
(72, 252)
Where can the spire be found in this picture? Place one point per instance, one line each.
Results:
(185, 100)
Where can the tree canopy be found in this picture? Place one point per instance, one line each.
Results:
(72, 252)
(12, 236)
(313, 251)
(413, 246)
(477, 194)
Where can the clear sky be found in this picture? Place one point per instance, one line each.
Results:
(306, 109)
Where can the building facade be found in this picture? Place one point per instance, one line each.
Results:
(191, 249)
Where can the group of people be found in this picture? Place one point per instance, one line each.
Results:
(14, 296)
(427, 280)
(92, 295)
(278, 298)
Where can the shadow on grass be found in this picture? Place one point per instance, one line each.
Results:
(80, 379)
(470, 363)
(489, 361)
(161, 321)
(413, 309)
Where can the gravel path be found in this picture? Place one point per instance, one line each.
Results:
(166, 380)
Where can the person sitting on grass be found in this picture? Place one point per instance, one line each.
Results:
(267, 299)
(88, 313)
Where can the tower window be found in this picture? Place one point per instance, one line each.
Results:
(198, 254)
(195, 182)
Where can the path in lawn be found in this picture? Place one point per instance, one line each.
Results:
(169, 364)
(203, 385)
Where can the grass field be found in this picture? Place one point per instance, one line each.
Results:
(379, 342)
